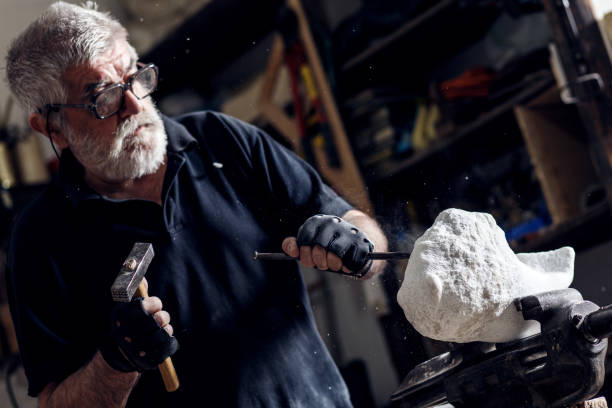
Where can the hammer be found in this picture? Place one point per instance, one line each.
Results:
(129, 282)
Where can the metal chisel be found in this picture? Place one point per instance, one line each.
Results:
(279, 256)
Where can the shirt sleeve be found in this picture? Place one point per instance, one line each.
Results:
(40, 308)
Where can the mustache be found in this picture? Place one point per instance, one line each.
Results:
(129, 125)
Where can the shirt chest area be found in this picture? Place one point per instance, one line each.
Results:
(203, 240)
(198, 195)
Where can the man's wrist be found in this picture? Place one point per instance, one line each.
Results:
(106, 369)
(373, 231)
(114, 358)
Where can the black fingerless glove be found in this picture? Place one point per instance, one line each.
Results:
(136, 341)
(339, 237)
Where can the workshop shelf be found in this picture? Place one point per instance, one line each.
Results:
(411, 51)
(426, 17)
(582, 232)
(392, 167)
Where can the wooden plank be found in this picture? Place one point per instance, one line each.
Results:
(272, 113)
(347, 178)
(9, 329)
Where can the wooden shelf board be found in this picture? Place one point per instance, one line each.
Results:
(400, 32)
(589, 229)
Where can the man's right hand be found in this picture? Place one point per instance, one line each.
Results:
(329, 242)
(140, 337)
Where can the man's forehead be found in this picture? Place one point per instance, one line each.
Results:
(110, 66)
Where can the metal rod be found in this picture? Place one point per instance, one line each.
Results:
(598, 324)
(279, 256)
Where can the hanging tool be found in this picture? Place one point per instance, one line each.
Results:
(312, 124)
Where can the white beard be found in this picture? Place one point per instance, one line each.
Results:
(129, 156)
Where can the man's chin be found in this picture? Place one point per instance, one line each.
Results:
(136, 138)
(122, 173)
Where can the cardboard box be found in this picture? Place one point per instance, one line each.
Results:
(557, 144)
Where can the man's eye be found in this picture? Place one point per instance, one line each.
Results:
(92, 95)
(102, 89)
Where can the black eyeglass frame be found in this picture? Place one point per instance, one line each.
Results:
(55, 107)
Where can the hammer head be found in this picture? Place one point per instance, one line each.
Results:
(132, 272)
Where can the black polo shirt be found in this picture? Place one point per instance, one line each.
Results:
(247, 335)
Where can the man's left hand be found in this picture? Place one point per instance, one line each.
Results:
(328, 242)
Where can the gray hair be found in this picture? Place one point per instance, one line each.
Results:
(63, 36)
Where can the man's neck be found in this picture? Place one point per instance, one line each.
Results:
(148, 187)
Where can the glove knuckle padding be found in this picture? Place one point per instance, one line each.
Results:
(307, 232)
(326, 234)
(340, 245)
(135, 331)
(339, 237)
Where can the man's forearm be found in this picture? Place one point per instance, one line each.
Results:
(372, 230)
(95, 384)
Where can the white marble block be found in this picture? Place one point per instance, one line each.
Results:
(462, 278)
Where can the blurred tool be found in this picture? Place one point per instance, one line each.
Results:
(30, 160)
(7, 173)
(312, 123)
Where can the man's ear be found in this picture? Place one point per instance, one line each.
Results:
(38, 122)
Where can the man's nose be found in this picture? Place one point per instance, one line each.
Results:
(131, 105)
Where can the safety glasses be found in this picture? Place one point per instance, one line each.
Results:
(111, 99)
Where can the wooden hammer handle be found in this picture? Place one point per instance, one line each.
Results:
(166, 368)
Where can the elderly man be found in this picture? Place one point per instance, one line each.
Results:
(206, 190)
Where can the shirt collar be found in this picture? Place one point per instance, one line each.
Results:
(179, 138)
(70, 173)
